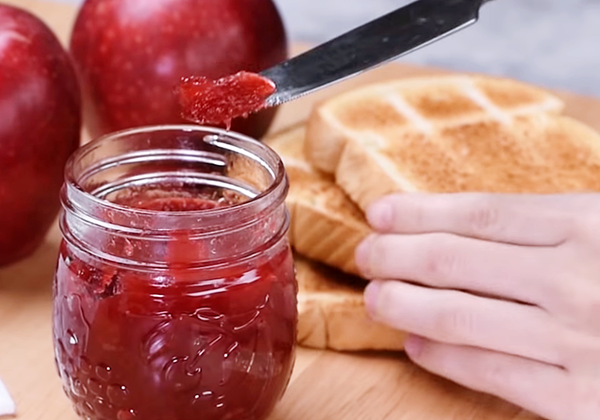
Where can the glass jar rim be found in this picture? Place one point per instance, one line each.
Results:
(73, 191)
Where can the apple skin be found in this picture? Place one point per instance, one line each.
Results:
(40, 126)
(132, 54)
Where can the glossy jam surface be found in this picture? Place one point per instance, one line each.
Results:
(217, 102)
(183, 343)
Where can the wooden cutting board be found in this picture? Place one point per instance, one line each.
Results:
(325, 385)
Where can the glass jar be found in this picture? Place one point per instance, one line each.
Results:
(175, 294)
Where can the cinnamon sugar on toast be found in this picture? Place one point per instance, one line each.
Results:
(451, 134)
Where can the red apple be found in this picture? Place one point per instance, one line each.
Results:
(40, 124)
(132, 54)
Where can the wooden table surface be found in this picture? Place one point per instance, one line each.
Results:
(325, 386)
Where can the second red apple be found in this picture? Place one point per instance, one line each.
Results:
(131, 55)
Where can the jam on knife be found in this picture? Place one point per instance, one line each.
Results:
(217, 102)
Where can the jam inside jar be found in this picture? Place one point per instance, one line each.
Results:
(175, 294)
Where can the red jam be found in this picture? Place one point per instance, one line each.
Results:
(184, 343)
(217, 102)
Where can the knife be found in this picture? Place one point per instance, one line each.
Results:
(375, 43)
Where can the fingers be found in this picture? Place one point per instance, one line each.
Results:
(460, 318)
(524, 220)
(535, 386)
(455, 262)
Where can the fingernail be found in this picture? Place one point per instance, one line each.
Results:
(379, 215)
(372, 296)
(361, 255)
(413, 346)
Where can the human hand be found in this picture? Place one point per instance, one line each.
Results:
(500, 293)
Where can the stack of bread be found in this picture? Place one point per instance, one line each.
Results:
(439, 134)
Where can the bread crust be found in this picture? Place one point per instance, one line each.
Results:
(326, 225)
(323, 156)
(332, 313)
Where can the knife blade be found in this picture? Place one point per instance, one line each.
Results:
(375, 43)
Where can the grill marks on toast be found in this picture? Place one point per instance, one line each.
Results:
(453, 134)
(574, 152)
(370, 111)
(534, 154)
(521, 99)
(446, 104)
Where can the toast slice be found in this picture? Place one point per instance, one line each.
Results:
(332, 313)
(325, 224)
(451, 134)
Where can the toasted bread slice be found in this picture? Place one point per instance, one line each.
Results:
(332, 313)
(326, 225)
(452, 134)
(535, 154)
(416, 105)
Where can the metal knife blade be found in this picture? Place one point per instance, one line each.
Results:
(377, 42)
